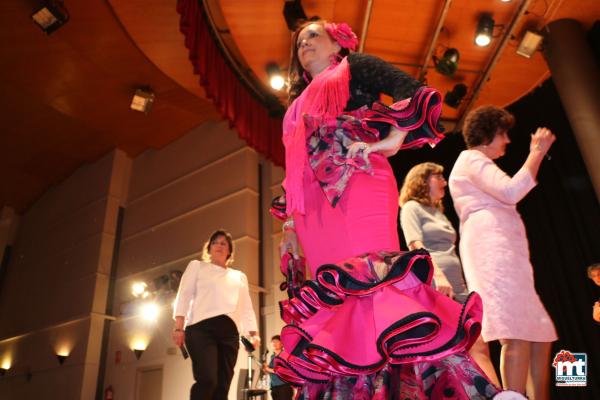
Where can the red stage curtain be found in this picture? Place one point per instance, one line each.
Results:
(233, 100)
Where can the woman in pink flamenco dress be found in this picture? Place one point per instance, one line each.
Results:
(368, 325)
(495, 252)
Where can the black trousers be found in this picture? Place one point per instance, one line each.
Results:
(213, 346)
(282, 392)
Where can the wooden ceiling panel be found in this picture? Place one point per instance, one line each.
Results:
(66, 96)
(154, 27)
(259, 32)
(400, 32)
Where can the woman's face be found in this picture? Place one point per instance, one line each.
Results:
(595, 275)
(497, 147)
(219, 250)
(437, 187)
(277, 346)
(315, 47)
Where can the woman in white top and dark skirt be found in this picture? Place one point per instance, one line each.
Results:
(213, 303)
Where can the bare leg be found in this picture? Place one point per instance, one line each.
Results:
(514, 364)
(538, 381)
(481, 354)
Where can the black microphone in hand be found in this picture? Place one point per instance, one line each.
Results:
(248, 346)
(184, 352)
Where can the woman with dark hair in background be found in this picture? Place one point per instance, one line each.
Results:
(425, 226)
(213, 304)
(280, 390)
(495, 251)
(369, 325)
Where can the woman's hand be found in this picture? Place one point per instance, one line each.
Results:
(255, 340)
(289, 243)
(361, 148)
(178, 337)
(391, 144)
(442, 284)
(541, 140)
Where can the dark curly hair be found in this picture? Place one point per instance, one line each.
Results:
(483, 123)
(297, 84)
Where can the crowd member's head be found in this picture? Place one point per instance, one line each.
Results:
(313, 49)
(487, 126)
(425, 184)
(276, 343)
(218, 249)
(593, 272)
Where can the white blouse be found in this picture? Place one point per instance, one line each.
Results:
(207, 290)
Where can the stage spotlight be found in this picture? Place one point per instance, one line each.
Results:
(51, 16)
(139, 289)
(276, 79)
(143, 99)
(150, 311)
(529, 44)
(448, 64)
(485, 29)
(455, 96)
(293, 13)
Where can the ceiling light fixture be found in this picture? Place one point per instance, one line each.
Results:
(143, 99)
(529, 44)
(448, 64)
(51, 16)
(485, 29)
(276, 79)
(456, 95)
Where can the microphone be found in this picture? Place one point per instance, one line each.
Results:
(248, 346)
(184, 352)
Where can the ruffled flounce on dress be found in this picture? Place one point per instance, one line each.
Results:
(352, 334)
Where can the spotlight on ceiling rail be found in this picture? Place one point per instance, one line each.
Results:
(455, 96)
(448, 64)
(485, 29)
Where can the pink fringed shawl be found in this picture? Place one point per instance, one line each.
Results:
(323, 99)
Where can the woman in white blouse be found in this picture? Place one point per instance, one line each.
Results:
(213, 303)
(495, 251)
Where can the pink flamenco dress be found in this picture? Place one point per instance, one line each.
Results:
(368, 325)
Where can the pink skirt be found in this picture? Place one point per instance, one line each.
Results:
(363, 221)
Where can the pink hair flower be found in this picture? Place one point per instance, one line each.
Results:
(342, 33)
